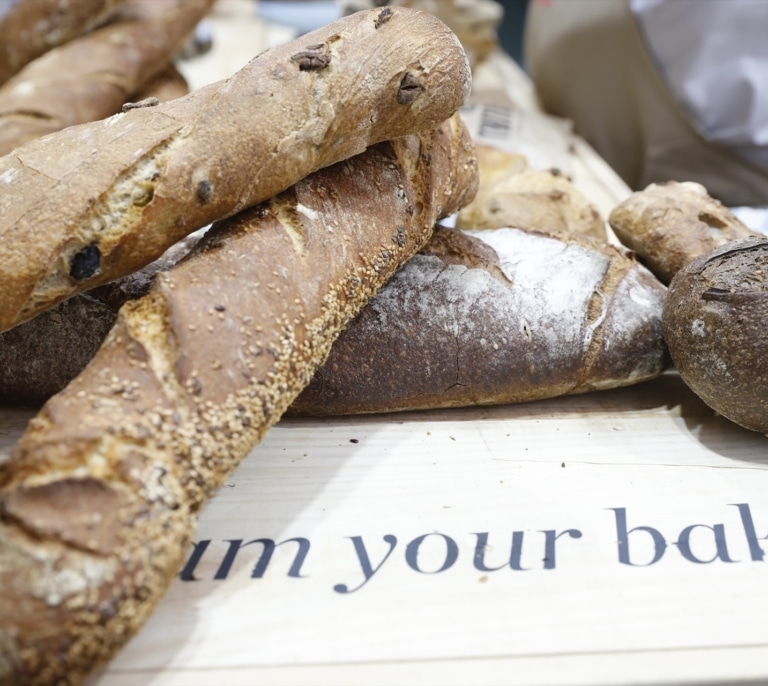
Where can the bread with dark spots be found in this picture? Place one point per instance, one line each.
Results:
(495, 316)
(30, 28)
(91, 76)
(99, 498)
(113, 195)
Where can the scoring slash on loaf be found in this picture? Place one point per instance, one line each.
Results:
(98, 500)
(486, 317)
(94, 202)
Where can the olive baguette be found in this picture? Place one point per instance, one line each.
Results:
(113, 195)
(99, 498)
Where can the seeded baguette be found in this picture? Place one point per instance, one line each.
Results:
(114, 195)
(91, 76)
(495, 316)
(99, 498)
(29, 28)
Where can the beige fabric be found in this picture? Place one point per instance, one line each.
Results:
(589, 64)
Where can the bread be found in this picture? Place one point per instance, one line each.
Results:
(495, 316)
(91, 76)
(535, 199)
(672, 223)
(41, 356)
(98, 499)
(716, 325)
(29, 28)
(113, 195)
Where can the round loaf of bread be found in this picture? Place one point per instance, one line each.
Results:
(715, 322)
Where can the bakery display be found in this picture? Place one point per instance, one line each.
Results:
(670, 224)
(716, 326)
(486, 317)
(118, 192)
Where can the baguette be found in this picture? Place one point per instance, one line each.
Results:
(99, 498)
(29, 28)
(91, 76)
(114, 195)
(495, 316)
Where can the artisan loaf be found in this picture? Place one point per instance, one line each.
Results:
(112, 195)
(99, 498)
(495, 316)
(91, 76)
(29, 28)
(716, 326)
(670, 224)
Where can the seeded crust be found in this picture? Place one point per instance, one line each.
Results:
(91, 76)
(670, 224)
(495, 316)
(716, 326)
(114, 195)
(99, 499)
(29, 28)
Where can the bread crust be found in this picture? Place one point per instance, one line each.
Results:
(532, 199)
(93, 75)
(670, 224)
(32, 27)
(98, 500)
(716, 326)
(120, 191)
(486, 317)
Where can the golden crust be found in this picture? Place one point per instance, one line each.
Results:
(118, 192)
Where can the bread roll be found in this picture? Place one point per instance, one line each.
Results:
(670, 224)
(90, 77)
(535, 199)
(495, 316)
(113, 195)
(99, 498)
(716, 326)
(29, 28)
